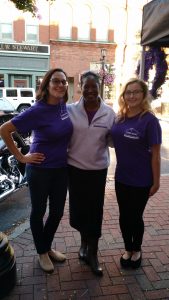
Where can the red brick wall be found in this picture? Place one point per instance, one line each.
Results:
(54, 32)
(19, 30)
(44, 33)
(74, 33)
(93, 34)
(111, 35)
(75, 57)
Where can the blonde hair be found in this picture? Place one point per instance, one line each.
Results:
(145, 105)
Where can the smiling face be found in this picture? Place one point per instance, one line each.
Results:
(57, 87)
(133, 96)
(90, 89)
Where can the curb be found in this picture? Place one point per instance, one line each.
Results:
(19, 230)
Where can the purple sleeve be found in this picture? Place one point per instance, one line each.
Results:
(154, 132)
(25, 121)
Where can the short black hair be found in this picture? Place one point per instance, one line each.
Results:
(89, 74)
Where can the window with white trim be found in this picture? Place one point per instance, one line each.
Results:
(102, 25)
(65, 21)
(6, 31)
(84, 23)
(32, 33)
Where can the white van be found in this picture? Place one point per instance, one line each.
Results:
(20, 98)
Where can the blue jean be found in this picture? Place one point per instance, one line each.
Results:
(46, 184)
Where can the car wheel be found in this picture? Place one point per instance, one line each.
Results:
(23, 108)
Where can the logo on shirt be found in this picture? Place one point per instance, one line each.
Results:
(132, 133)
(63, 112)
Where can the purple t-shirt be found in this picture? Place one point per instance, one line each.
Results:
(51, 128)
(132, 140)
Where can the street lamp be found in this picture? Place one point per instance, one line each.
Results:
(102, 59)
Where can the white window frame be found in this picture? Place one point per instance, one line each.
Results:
(2, 38)
(102, 35)
(66, 22)
(85, 23)
(31, 40)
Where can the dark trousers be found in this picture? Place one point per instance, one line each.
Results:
(86, 200)
(46, 184)
(131, 202)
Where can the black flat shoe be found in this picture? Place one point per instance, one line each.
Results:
(136, 264)
(125, 263)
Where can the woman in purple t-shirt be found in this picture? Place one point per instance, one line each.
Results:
(136, 135)
(46, 168)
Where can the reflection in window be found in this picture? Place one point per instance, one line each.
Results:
(26, 93)
(32, 33)
(1, 80)
(11, 93)
(65, 22)
(5, 31)
(84, 24)
(38, 81)
(102, 26)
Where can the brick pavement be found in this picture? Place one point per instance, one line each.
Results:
(74, 280)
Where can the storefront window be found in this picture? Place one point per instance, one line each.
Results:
(38, 81)
(16, 80)
(1, 80)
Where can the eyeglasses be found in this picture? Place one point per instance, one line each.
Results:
(57, 82)
(134, 93)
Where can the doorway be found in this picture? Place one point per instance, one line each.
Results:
(20, 81)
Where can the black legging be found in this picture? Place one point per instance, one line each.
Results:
(46, 184)
(86, 200)
(132, 202)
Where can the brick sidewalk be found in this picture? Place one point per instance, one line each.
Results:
(74, 280)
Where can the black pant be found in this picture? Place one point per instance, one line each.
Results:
(86, 200)
(46, 184)
(132, 202)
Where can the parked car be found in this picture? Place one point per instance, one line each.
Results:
(20, 98)
(7, 110)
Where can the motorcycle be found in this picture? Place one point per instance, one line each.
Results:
(12, 172)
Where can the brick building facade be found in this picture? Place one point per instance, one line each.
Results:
(68, 34)
(76, 57)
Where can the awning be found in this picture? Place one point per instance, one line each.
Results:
(155, 24)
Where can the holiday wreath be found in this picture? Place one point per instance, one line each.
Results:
(155, 56)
